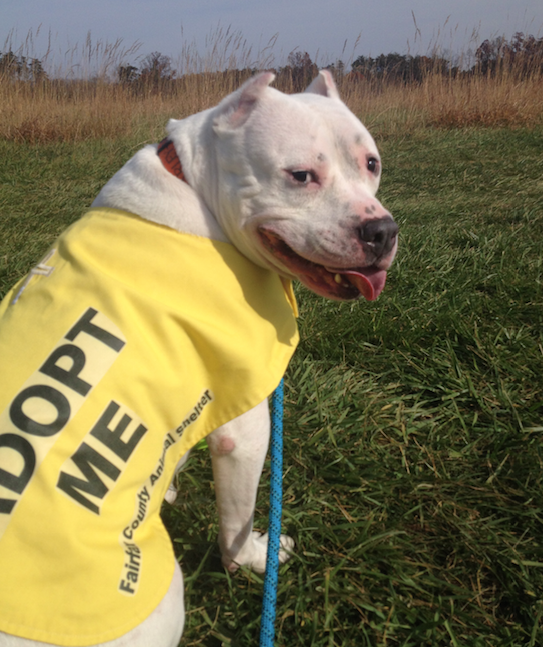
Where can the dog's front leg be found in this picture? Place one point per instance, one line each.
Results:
(238, 450)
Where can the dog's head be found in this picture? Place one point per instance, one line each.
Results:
(298, 176)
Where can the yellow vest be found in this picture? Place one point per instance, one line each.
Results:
(127, 345)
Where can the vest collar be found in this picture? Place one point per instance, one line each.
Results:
(170, 159)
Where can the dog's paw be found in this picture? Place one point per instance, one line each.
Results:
(171, 494)
(254, 553)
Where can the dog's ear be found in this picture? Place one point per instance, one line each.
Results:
(234, 110)
(325, 85)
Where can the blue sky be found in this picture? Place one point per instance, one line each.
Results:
(320, 27)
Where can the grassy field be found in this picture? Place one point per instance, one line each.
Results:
(413, 460)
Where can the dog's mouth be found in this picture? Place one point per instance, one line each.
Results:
(339, 284)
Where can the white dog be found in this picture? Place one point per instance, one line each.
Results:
(164, 315)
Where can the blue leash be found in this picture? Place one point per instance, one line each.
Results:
(267, 624)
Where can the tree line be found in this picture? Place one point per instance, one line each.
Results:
(157, 71)
(522, 54)
(14, 66)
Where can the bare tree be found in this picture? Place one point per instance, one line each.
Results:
(301, 70)
(156, 71)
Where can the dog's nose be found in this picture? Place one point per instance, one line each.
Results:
(378, 236)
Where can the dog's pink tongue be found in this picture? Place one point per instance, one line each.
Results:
(369, 282)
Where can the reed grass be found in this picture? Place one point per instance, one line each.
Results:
(93, 104)
(458, 102)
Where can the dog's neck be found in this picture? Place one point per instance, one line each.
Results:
(170, 160)
(141, 187)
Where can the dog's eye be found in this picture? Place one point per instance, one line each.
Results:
(304, 177)
(372, 165)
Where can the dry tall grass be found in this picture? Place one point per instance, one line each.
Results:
(95, 105)
(450, 102)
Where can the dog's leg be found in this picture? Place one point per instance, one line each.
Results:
(238, 450)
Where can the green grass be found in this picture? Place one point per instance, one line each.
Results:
(413, 459)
